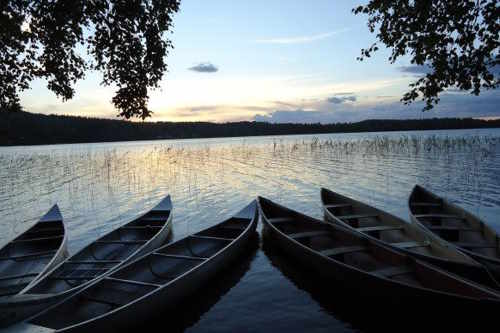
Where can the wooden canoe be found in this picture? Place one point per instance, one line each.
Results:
(454, 225)
(402, 236)
(27, 258)
(157, 281)
(131, 240)
(364, 266)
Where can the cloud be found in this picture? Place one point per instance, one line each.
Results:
(217, 108)
(416, 69)
(343, 93)
(301, 39)
(296, 116)
(340, 100)
(451, 105)
(204, 67)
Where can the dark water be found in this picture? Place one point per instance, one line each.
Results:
(99, 186)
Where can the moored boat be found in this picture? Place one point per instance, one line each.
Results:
(456, 226)
(131, 240)
(158, 280)
(364, 266)
(402, 236)
(28, 257)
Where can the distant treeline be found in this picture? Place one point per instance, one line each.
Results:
(23, 128)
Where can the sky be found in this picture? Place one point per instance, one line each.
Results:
(271, 60)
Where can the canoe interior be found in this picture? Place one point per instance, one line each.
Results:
(100, 256)
(144, 276)
(385, 227)
(345, 248)
(453, 224)
(26, 256)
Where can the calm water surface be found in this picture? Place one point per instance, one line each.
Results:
(100, 186)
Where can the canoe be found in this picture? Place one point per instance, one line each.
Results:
(28, 257)
(364, 266)
(131, 240)
(158, 281)
(402, 236)
(454, 225)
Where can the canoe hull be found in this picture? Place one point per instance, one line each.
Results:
(491, 263)
(52, 216)
(78, 317)
(447, 258)
(365, 284)
(25, 304)
(167, 298)
(476, 273)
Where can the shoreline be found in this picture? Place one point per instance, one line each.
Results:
(20, 129)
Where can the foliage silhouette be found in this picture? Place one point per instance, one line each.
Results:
(124, 40)
(457, 42)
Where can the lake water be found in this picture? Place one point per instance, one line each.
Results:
(100, 186)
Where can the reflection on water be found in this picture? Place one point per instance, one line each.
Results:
(98, 186)
(189, 312)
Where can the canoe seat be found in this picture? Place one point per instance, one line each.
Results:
(124, 242)
(154, 219)
(81, 274)
(309, 234)
(17, 276)
(92, 262)
(141, 227)
(339, 205)
(407, 245)
(176, 256)
(476, 245)
(277, 220)
(232, 227)
(11, 292)
(34, 255)
(88, 270)
(212, 238)
(44, 230)
(392, 271)
(425, 204)
(37, 239)
(73, 278)
(357, 216)
(379, 228)
(342, 250)
(137, 283)
(451, 228)
(440, 216)
(102, 301)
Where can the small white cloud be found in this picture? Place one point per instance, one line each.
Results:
(301, 39)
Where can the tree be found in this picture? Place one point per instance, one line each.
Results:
(60, 40)
(458, 41)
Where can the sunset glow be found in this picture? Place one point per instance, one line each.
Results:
(238, 61)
